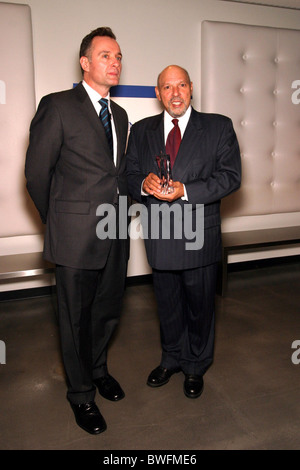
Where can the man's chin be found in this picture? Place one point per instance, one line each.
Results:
(177, 113)
(114, 80)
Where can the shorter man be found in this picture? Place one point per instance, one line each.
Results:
(207, 168)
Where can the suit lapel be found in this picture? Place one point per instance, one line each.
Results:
(187, 149)
(88, 108)
(188, 146)
(118, 127)
(89, 111)
(155, 137)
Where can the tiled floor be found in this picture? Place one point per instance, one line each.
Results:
(251, 395)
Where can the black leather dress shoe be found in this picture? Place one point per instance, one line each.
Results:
(160, 376)
(109, 388)
(193, 385)
(89, 418)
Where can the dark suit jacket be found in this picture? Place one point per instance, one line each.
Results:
(208, 163)
(70, 172)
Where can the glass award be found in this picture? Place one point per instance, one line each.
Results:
(164, 173)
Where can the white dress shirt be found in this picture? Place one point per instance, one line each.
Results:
(182, 122)
(168, 126)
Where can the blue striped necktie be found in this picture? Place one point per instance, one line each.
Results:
(106, 121)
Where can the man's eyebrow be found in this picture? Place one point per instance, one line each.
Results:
(107, 52)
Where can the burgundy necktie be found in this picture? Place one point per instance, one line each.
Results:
(173, 142)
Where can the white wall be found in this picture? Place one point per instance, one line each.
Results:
(151, 35)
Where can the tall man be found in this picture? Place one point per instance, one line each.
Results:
(71, 170)
(207, 168)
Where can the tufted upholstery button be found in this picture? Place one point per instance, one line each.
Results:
(261, 85)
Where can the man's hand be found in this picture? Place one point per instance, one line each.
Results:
(151, 184)
(170, 197)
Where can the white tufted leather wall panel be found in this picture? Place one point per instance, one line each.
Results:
(18, 215)
(251, 74)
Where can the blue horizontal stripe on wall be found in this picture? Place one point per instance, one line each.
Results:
(131, 91)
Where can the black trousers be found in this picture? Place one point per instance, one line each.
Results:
(89, 306)
(186, 304)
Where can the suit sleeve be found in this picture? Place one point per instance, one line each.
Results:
(45, 141)
(226, 175)
(135, 176)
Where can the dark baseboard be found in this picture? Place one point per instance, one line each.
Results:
(27, 293)
(139, 280)
(262, 263)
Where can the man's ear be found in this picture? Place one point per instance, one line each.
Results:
(157, 94)
(85, 64)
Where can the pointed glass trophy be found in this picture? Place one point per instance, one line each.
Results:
(164, 172)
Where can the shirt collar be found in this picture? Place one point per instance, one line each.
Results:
(94, 95)
(182, 121)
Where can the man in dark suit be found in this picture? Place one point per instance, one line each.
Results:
(71, 170)
(207, 168)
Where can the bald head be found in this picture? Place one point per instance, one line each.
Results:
(174, 90)
(172, 69)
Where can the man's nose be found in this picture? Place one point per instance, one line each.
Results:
(116, 62)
